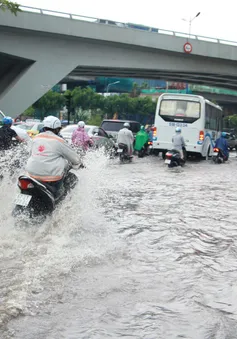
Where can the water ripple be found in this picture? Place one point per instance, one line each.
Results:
(136, 251)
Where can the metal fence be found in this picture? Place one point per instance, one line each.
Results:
(122, 25)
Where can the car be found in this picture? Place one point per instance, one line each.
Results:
(97, 134)
(231, 141)
(31, 127)
(112, 127)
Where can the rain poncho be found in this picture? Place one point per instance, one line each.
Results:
(141, 139)
(222, 144)
(178, 142)
(125, 136)
(80, 138)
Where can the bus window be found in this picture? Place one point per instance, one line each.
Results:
(213, 117)
(180, 110)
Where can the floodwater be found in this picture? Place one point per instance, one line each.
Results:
(136, 251)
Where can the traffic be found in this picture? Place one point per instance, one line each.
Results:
(83, 224)
(184, 126)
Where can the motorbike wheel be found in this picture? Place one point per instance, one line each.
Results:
(216, 160)
(70, 181)
(141, 153)
(121, 158)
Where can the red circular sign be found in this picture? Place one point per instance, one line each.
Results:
(188, 48)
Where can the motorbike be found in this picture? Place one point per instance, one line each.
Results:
(173, 158)
(150, 146)
(40, 198)
(218, 157)
(142, 152)
(123, 153)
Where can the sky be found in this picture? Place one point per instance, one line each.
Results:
(217, 19)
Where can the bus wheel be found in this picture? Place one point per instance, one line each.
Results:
(208, 153)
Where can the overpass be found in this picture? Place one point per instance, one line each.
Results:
(39, 48)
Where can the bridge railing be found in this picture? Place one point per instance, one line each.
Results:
(125, 25)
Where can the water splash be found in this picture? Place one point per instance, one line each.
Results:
(74, 235)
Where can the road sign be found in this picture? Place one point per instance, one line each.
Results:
(188, 47)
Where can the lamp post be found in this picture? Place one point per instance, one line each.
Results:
(113, 83)
(190, 23)
(188, 47)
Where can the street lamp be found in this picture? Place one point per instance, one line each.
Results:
(113, 83)
(190, 22)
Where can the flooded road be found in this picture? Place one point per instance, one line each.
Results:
(136, 251)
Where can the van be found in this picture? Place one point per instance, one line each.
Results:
(112, 127)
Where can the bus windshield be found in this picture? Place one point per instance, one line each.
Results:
(180, 110)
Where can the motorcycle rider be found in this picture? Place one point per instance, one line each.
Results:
(150, 132)
(7, 133)
(50, 155)
(178, 142)
(80, 138)
(125, 136)
(222, 144)
(142, 139)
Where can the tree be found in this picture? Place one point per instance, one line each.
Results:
(13, 7)
(144, 85)
(96, 118)
(29, 112)
(231, 121)
(87, 105)
(86, 98)
(51, 101)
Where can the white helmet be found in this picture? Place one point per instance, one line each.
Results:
(81, 124)
(178, 130)
(126, 124)
(52, 122)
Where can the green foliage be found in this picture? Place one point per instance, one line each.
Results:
(87, 105)
(95, 119)
(81, 114)
(144, 85)
(29, 112)
(86, 98)
(231, 121)
(50, 101)
(13, 7)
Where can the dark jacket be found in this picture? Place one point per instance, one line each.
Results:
(6, 135)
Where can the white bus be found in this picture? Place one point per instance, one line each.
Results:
(200, 120)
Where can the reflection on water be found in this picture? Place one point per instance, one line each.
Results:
(135, 251)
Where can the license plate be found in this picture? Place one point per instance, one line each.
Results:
(215, 153)
(150, 146)
(22, 199)
(120, 150)
(167, 161)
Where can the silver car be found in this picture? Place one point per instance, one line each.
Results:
(97, 134)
